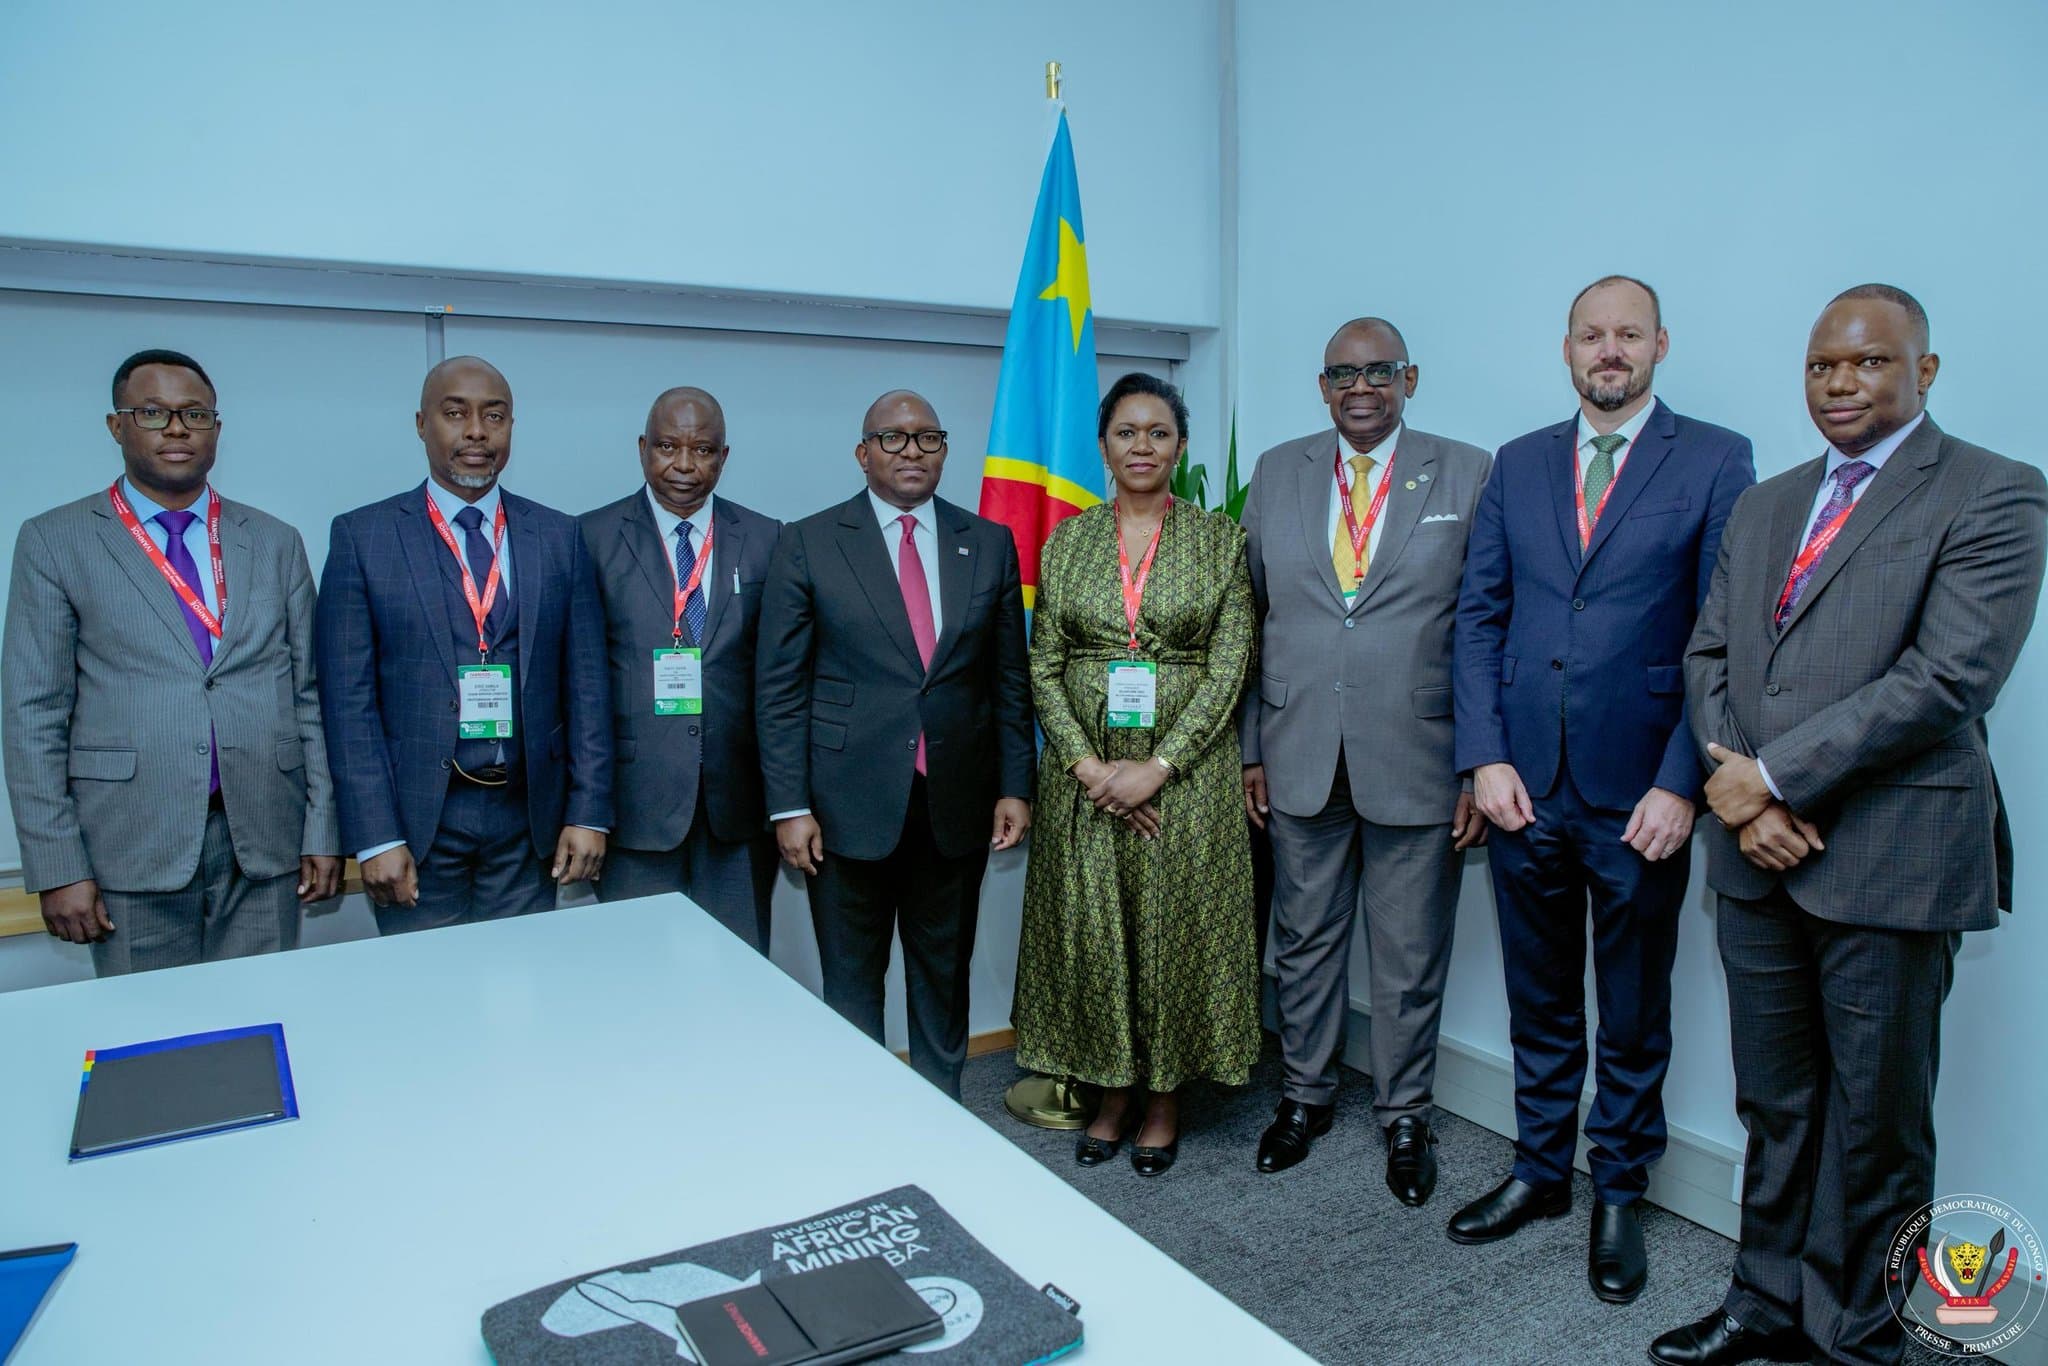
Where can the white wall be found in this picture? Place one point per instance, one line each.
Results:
(887, 150)
(1464, 169)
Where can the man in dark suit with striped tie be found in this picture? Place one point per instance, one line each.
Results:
(895, 716)
(463, 679)
(1865, 610)
(680, 569)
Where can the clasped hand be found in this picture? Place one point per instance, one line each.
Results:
(1124, 789)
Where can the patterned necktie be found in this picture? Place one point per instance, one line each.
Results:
(1599, 474)
(175, 525)
(1350, 569)
(477, 549)
(917, 601)
(693, 606)
(1851, 473)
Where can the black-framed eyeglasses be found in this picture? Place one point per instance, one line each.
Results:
(156, 419)
(894, 442)
(1379, 374)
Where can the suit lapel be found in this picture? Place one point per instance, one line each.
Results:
(423, 551)
(1788, 525)
(236, 551)
(1412, 472)
(956, 576)
(1906, 471)
(149, 584)
(1317, 481)
(648, 547)
(867, 556)
(1653, 445)
(727, 543)
(1562, 463)
(524, 539)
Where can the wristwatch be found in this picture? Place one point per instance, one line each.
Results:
(1171, 771)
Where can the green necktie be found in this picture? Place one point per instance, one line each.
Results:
(1599, 474)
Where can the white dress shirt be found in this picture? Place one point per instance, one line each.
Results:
(926, 538)
(1379, 455)
(450, 505)
(146, 509)
(1875, 458)
(1627, 431)
(699, 524)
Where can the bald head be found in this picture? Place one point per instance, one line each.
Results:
(1383, 335)
(673, 403)
(457, 368)
(907, 476)
(907, 399)
(683, 451)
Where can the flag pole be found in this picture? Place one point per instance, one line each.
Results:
(1045, 1101)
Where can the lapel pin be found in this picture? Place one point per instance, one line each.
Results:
(1422, 478)
(1411, 483)
(963, 550)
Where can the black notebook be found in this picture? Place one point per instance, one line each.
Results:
(848, 1312)
(627, 1315)
(167, 1089)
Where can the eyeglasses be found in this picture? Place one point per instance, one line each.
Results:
(1379, 374)
(894, 442)
(156, 419)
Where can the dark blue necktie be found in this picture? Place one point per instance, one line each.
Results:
(175, 525)
(477, 549)
(693, 606)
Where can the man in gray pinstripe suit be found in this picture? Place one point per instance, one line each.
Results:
(1866, 608)
(164, 750)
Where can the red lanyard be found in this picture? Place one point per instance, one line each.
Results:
(1361, 535)
(1134, 591)
(479, 607)
(1586, 524)
(193, 602)
(1816, 546)
(689, 586)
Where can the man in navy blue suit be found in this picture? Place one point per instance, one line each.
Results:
(460, 643)
(1590, 555)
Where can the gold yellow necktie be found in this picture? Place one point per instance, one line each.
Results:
(1351, 569)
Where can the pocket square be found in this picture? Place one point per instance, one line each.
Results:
(1439, 517)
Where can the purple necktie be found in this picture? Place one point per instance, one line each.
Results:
(1847, 477)
(174, 525)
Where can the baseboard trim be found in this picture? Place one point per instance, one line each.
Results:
(990, 1041)
(1698, 1179)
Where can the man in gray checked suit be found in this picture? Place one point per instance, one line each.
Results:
(163, 740)
(1357, 546)
(1864, 612)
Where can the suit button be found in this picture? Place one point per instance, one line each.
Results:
(911, 745)
(1557, 664)
(1771, 688)
(693, 730)
(199, 748)
(456, 706)
(1350, 622)
(1578, 604)
(210, 684)
(445, 763)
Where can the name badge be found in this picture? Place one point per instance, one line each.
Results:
(485, 691)
(1133, 694)
(678, 682)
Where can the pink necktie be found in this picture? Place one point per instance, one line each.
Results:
(917, 601)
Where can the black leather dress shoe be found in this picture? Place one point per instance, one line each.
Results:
(1504, 1209)
(1718, 1340)
(1616, 1264)
(1093, 1152)
(1295, 1125)
(1152, 1161)
(1411, 1160)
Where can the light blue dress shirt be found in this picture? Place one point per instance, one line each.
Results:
(146, 510)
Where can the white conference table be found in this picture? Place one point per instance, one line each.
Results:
(487, 1109)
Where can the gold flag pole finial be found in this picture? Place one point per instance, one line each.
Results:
(1052, 80)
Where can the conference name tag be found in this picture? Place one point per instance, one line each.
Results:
(679, 682)
(1133, 694)
(486, 694)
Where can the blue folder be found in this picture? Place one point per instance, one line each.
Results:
(25, 1278)
(168, 1089)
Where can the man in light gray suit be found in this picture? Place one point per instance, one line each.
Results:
(1357, 546)
(1865, 610)
(164, 753)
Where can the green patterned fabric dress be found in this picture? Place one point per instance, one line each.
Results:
(1137, 965)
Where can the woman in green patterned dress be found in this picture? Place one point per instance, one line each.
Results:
(1136, 969)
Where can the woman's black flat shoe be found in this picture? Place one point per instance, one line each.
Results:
(1153, 1161)
(1093, 1152)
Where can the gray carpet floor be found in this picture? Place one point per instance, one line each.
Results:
(1325, 1256)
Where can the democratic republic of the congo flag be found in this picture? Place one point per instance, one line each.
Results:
(1043, 463)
